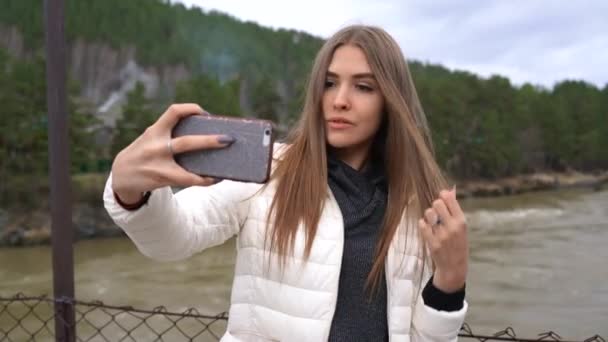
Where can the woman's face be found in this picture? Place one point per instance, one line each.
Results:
(352, 102)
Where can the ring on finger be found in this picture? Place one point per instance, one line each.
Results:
(170, 147)
(438, 222)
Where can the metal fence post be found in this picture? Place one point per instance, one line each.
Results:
(59, 165)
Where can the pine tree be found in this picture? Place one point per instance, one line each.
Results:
(136, 117)
(212, 96)
(24, 131)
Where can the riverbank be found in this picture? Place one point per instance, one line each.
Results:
(34, 227)
(542, 181)
(91, 220)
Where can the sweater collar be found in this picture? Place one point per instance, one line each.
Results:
(371, 176)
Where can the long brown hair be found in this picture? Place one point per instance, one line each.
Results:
(414, 179)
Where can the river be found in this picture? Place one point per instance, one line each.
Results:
(538, 263)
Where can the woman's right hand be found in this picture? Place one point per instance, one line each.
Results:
(148, 164)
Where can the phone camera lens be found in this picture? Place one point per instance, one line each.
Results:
(267, 132)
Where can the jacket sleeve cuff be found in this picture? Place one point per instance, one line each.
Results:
(432, 322)
(442, 301)
(154, 208)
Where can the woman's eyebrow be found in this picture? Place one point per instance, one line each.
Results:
(356, 76)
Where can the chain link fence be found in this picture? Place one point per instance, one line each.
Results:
(24, 318)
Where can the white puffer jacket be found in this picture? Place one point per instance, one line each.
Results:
(299, 304)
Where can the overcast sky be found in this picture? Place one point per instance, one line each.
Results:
(536, 41)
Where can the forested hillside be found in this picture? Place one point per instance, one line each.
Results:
(482, 128)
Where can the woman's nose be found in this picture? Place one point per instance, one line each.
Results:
(342, 101)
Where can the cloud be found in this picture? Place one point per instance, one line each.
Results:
(540, 42)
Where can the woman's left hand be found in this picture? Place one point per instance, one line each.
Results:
(444, 229)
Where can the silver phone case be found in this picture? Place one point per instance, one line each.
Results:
(248, 159)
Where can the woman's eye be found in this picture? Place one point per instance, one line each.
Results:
(364, 87)
(329, 84)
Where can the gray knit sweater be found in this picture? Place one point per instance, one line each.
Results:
(362, 197)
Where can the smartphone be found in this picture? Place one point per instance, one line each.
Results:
(248, 159)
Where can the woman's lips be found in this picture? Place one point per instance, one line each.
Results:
(339, 124)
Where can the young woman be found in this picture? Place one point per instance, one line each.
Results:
(354, 238)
